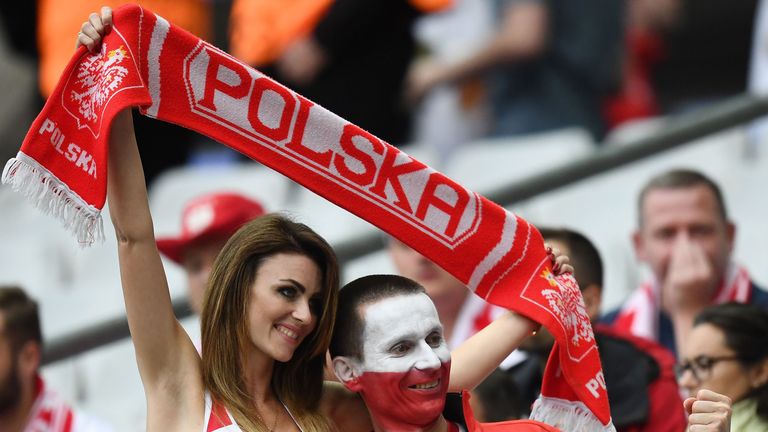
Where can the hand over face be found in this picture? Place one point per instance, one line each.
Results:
(690, 279)
(422, 77)
(302, 61)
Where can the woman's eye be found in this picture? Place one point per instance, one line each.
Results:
(288, 292)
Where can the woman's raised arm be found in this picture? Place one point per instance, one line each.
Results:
(163, 350)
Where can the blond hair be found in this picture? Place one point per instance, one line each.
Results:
(297, 382)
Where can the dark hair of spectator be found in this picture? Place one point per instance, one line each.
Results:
(348, 330)
(583, 255)
(679, 179)
(20, 317)
(746, 333)
(500, 397)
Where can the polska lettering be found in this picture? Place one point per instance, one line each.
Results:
(250, 104)
(72, 152)
(596, 383)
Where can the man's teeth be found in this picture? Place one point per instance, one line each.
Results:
(426, 386)
(289, 333)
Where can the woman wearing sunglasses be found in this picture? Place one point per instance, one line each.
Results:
(727, 353)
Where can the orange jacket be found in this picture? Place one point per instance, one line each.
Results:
(260, 30)
(58, 22)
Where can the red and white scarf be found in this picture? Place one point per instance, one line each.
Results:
(49, 412)
(176, 77)
(640, 313)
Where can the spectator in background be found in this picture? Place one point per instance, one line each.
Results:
(707, 54)
(349, 56)
(58, 20)
(758, 77)
(647, 22)
(21, 101)
(639, 373)
(686, 238)
(551, 62)
(26, 404)
(727, 352)
(207, 222)
(497, 399)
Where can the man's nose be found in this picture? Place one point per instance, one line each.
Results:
(428, 358)
(683, 235)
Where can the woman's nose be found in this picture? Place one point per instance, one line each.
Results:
(303, 312)
(687, 380)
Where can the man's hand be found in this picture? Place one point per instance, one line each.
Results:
(302, 61)
(560, 263)
(690, 279)
(708, 412)
(93, 30)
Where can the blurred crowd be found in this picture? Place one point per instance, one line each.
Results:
(443, 74)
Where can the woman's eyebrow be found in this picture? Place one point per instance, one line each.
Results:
(296, 284)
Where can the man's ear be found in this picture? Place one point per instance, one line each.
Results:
(347, 370)
(30, 356)
(730, 232)
(637, 242)
(593, 295)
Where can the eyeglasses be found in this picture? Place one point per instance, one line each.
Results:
(701, 366)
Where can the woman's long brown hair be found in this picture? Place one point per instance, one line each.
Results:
(297, 382)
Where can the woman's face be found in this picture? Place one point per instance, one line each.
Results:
(284, 304)
(707, 362)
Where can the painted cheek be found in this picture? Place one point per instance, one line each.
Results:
(395, 406)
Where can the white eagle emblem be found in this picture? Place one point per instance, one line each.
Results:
(566, 302)
(98, 77)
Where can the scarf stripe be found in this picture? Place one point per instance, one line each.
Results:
(640, 313)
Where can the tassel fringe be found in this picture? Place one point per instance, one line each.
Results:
(567, 416)
(51, 196)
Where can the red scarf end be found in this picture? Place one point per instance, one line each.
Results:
(52, 196)
(568, 415)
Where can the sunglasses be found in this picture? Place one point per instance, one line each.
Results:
(701, 366)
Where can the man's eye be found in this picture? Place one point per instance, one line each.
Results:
(435, 340)
(701, 231)
(401, 348)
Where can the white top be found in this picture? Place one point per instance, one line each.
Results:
(223, 421)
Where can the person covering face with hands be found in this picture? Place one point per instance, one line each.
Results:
(686, 239)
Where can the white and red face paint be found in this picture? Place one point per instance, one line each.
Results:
(403, 376)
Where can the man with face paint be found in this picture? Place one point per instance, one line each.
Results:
(26, 404)
(388, 346)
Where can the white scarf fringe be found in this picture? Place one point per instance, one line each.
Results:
(568, 416)
(51, 196)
